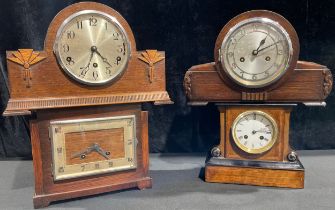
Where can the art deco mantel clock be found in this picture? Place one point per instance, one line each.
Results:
(255, 81)
(89, 134)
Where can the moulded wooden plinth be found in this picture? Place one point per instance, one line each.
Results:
(260, 176)
(41, 201)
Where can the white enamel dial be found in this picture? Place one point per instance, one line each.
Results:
(256, 52)
(92, 47)
(254, 132)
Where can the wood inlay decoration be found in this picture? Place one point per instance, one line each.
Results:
(328, 82)
(262, 96)
(187, 84)
(26, 58)
(15, 105)
(151, 57)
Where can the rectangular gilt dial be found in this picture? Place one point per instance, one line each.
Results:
(84, 147)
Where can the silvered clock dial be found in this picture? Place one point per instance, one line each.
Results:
(254, 132)
(92, 47)
(256, 52)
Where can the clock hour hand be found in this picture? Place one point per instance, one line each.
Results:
(86, 68)
(83, 153)
(255, 52)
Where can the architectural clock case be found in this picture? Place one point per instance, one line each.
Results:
(88, 132)
(255, 81)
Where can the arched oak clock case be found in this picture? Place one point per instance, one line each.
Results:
(89, 134)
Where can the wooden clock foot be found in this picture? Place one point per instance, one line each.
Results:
(40, 202)
(44, 200)
(260, 173)
(145, 183)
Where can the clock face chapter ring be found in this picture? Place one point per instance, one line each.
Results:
(92, 47)
(85, 147)
(254, 132)
(256, 52)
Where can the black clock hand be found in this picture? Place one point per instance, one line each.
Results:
(255, 52)
(260, 131)
(269, 46)
(86, 68)
(103, 58)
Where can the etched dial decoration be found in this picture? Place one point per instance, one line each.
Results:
(254, 132)
(256, 52)
(92, 47)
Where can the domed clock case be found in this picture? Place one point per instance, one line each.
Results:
(84, 91)
(255, 80)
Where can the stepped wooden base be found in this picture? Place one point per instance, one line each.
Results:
(44, 200)
(272, 174)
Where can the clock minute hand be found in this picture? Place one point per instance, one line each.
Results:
(96, 147)
(103, 58)
(102, 152)
(269, 46)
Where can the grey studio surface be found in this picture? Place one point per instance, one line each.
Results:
(176, 185)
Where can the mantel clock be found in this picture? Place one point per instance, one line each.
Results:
(89, 134)
(255, 81)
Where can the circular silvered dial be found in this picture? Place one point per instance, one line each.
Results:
(92, 47)
(254, 132)
(256, 52)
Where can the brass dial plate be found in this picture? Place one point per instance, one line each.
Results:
(86, 147)
(92, 47)
(254, 132)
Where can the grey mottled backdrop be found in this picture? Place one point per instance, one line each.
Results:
(186, 30)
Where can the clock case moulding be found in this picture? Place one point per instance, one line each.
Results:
(303, 82)
(40, 87)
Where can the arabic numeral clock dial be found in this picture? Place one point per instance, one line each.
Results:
(259, 50)
(92, 47)
(254, 132)
(86, 147)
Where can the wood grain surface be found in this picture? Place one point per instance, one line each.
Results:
(48, 190)
(309, 82)
(255, 176)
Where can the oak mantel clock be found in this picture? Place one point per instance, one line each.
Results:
(255, 81)
(89, 134)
